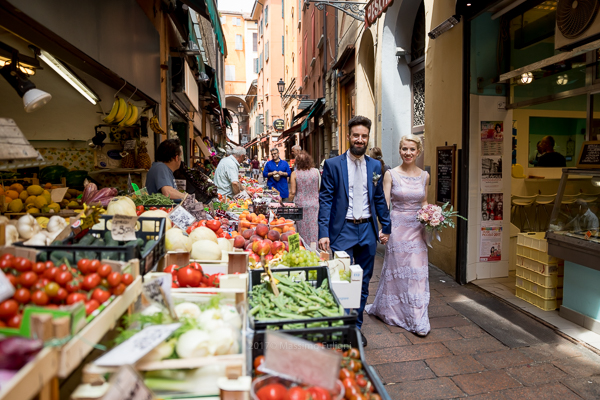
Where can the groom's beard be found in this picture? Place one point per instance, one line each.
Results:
(357, 151)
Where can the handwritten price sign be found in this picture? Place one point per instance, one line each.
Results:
(123, 227)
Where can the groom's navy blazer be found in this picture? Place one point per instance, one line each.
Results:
(334, 196)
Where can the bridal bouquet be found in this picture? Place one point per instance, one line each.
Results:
(436, 218)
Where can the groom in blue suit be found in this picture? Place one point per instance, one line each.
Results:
(350, 201)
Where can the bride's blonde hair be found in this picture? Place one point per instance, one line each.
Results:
(412, 138)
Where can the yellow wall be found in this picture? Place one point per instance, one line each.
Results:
(235, 57)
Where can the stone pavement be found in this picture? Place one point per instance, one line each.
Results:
(479, 347)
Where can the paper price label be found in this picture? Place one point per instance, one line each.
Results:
(137, 346)
(127, 384)
(6, 288)
(129, 145)
(158, 291)
(57, 195)
(294, 242)
(243, 195)
(181, 184)
(180, 217)
(123, 227)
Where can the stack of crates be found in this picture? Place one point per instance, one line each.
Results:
(539, 275)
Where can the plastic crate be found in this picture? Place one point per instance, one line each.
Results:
(544, 304)
(541, 268)
(534, 240)
(536, 255)
(293, 213)
(314, 276)
(547, 281)
(345, 336)
(150, 229)
(534, 288)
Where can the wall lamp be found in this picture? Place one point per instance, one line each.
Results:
(444, 27)
(526, 78)
(400, 53)
(69, 76)
(281, 88)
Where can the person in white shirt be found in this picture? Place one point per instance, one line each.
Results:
(227, 173)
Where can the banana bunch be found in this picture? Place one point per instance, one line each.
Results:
(155, 126)
(122, 113)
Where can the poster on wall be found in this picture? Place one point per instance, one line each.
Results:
(492, 135)
(491, 174)
(491, 243)
(492, 208)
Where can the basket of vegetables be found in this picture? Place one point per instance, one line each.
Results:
(305, 300)
(156, 201)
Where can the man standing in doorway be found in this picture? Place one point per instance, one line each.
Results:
(277, 171)
(350, 201)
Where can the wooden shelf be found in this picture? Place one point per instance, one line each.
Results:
(122, 171)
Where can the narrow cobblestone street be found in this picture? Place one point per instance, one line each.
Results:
(479, 347)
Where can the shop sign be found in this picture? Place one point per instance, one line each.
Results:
(279, 125)
(374, 9)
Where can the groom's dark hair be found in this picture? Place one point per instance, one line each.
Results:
(359, 120)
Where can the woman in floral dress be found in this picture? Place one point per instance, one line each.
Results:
(304, 191)
(402, 297)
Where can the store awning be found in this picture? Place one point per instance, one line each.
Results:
(231, 141)
(289, 132)
(282, 141)
(264, 139)
(343, 58)
(319, 104)
(251, 143)
(304, 112)
(201, 7)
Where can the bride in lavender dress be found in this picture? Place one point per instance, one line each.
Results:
(402, 297)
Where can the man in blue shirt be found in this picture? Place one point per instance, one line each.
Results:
(277, 171)
(160, 177)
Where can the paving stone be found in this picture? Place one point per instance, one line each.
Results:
(382, 340)
(587, 388)
(436, 335)
(435, 293)
(406, 353)
(372, 326)
(551, 351)
(441, 311)
(471, 331)
(578, 366)
(448, 322)
(437, 301)
(370, 299)
(503, 359)
(474, 346)
(395, 329)
(489, 396)
(530, 375)
(554, 391)
(439, 388)
(454, 365)
(403, 372)
(484, 382)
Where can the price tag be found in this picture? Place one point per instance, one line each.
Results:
(180, 217)
(188, 200)
(129, 145)
(181, 184)
(294, 242)
(300, 360)
(123, 227)
(6, 288)
(243, 195)
(158, 291)
(57, 195)
(137, 346)
(127, 384)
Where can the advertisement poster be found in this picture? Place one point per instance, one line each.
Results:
(492, 135)
(491, 174)
(491, 244)
(492, 207)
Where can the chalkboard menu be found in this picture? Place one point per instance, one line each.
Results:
(589, 157)
(445, 169)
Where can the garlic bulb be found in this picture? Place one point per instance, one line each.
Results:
(11, 234)
(27, 226)
(39, 239)
(56, 224)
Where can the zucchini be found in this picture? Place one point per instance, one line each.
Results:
(148, 246)
(58, 256)
(108, 239)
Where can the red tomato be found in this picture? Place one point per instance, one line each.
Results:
(214, 280)
(63, 277)
(213, 224)
(100, 295)
(2, 324)
(94, 265)
(49, 264)
(297, 393)
(64, 267)
(91, 281)
(22, 264)
(127, 279)
(15, 322)
(114, 279)
(104, 270)
(8, 309)
(140, 209)
(196, 266)
(119, 289)
(83, 265)
(51, 289)
(39, 268)
(272, 391)
(361, 381)
(189, 277)
(40, 298)
(13, 279)
(318, 393)
(28, 279)
(346, 373)
(5, 264)
(258, 361)
(75, 298)
(61, 294)
(22, 295)
(50, 273)
(8, 257)
(73, 286)
(91, 306)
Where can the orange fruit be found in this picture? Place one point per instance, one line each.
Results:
(243, 217)
(17, 187)
(278, 230)
(261, 216)
(12, 194)
(1, 191)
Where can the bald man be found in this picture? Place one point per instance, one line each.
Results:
(296, 149)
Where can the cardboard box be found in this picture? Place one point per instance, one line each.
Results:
(343, 257)
(109, 156)
(349, 292)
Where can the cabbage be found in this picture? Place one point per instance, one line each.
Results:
(176, 240)
(205, 250)
(194, 344)
(203, 233)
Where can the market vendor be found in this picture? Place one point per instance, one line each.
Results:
(277, 171)
(160, 177)
(227, 174)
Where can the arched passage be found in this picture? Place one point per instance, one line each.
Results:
(365, 79)
(239, 132)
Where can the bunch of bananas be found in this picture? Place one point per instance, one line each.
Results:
(123, 114)
(155, 125)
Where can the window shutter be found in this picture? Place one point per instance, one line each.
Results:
(255, 62)
(312, 23)
(299, 10)
(267, 50)
(282, 45)
(230, 72)
(266, 15)
(239, 42)
(254, 41)
(282, 8)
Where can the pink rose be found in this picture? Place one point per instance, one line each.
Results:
(437, 215)
(434, 222)
(426, 217)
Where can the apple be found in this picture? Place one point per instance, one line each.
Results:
(262, 230)
(264, 247)
(239, 242)
(287, 246)
(247, 233)
(273, 235)
(253, 258)
(268, 257)
(248, 246)
(276, 247)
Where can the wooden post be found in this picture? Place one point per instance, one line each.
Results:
(164, 71)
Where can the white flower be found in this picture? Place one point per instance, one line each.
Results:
(434, 222)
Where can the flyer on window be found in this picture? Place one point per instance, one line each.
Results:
(491, 174)
(491, 243)
(492, 135)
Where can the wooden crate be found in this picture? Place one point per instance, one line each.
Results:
(33, 378)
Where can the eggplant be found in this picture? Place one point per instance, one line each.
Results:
(15, 352)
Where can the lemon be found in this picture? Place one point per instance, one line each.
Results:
(54, 207)
(23, 195)
(40, 202)
(47, 196)
(35, 190)
(42, 221)
(30, 200)
(15, 206)
(33, 210)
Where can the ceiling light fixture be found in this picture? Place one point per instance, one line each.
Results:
(526, 78)
(69, 76)
(562, 79)
(32, 98)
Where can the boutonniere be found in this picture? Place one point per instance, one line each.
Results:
(376, 178)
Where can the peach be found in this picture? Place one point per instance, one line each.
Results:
(247, 233)
(284, 236)
(254, 238)
(263, 247)
(255, 245)
(287, 246)
(239, 242)
(273, 235)
(254, 258)
(276, 247)
(262, 230)
(248, 246)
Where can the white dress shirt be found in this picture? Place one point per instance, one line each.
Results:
(350, 159)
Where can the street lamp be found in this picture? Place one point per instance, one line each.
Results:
(240, 108)
(281, 88)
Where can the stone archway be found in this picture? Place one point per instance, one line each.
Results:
(365, 80)
(241, 121)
